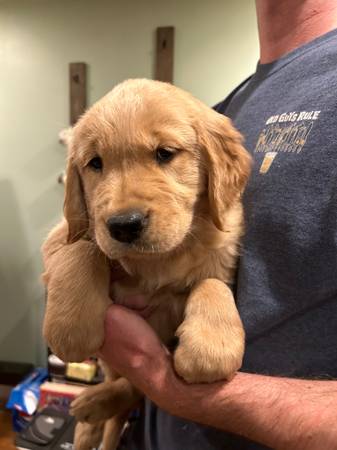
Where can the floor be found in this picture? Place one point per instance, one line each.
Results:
(6, 433)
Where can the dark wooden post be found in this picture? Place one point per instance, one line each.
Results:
(165, 54)
(78, 92)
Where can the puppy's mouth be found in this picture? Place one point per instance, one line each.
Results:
(138, 249)
(141, 248)
(133, 234)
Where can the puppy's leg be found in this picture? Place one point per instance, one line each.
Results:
(211, 337)
(88, 436)
(104, 400)
(77, 277)
(112, 431)
(57, 238)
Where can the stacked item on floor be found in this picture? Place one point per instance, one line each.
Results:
(11, 373)
(46, 404)
(49, 430)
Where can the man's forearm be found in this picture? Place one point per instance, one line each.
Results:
(281, 413)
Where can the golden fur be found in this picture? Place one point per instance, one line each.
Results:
(184, 259)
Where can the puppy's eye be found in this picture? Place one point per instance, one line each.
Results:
(164, 155)
(96, 164)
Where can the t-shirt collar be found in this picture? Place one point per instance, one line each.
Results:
(265, 70)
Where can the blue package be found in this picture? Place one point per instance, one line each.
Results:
(24, 398)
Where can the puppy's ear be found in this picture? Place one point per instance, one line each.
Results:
(74, 208)
(228, 164)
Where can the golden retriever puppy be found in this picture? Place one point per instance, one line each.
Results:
(154, 181)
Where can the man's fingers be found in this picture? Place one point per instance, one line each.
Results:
(133, 349)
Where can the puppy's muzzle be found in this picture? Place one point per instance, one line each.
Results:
(127, 226)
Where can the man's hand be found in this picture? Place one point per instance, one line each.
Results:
(133, 349)
(281, 413)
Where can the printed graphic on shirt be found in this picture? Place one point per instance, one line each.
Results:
(287, 133)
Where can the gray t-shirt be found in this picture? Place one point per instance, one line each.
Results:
(287, 280)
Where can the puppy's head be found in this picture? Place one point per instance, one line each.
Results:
(141, 160)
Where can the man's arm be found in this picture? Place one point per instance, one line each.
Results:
(281, 413)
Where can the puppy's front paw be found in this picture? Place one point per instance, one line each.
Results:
(208, 354)
(93, 405)
(78, 297)
(104, 400)
(74, 340)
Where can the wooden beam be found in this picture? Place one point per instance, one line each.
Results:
(165, 54)
(78, 92)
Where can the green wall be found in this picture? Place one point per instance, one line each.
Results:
(216, 47)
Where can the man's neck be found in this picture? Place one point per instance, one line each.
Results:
(287, 24)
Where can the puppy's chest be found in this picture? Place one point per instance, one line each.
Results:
(163, 285)
(163, 308)
(138, 294)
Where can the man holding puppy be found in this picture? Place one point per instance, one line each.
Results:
(285, 396)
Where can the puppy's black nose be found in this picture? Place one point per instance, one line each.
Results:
(127, 227)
